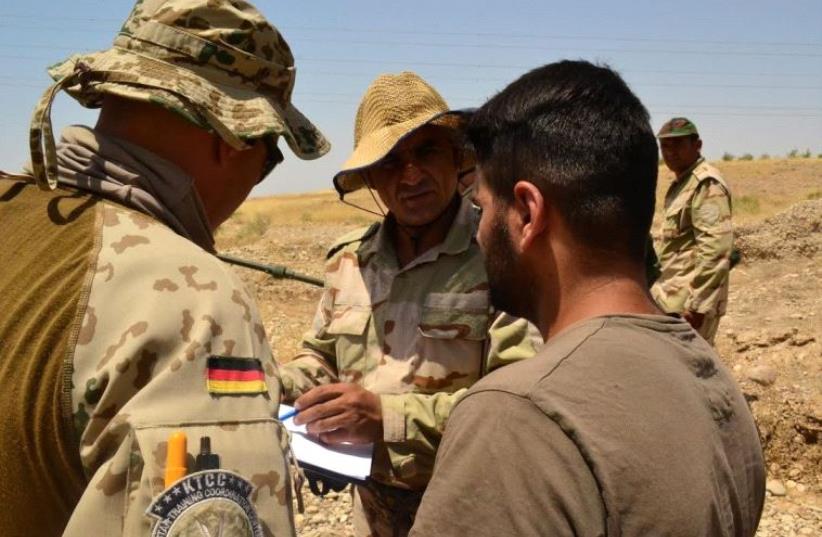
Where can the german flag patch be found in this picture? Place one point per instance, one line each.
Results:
(235, 376)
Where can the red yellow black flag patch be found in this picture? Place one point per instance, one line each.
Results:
(235, 376)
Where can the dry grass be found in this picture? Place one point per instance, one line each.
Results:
(761, 188)
(313, 207)
(258, 215)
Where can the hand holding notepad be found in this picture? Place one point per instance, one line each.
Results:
(347, 460)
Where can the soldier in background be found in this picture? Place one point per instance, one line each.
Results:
(697, 236)
(402, 329)
(120, 327)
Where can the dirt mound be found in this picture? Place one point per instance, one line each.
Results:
(795, 232)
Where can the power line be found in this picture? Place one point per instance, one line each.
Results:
(554, 36)
(80, 50)
(423, 63)
(498, 46)
(638, 84)
(355, 74)
(12, 81)
(483, 35)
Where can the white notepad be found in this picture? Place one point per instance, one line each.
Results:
(344, 459)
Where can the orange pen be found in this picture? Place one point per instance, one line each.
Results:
(176, 454)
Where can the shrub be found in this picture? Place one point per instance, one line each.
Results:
(792, 153)
(746, 156)
(806, 154)
(764, 156)
(727, 156)
(254, 227)
(746, 204)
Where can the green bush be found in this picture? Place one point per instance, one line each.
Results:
(746, 156)
(793, 153)
(806, 154)
(254, 227)
(746, 204)
(764, 156)
(727, 156)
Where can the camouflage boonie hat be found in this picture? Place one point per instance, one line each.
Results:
(218, 63)
(393, 107)
(678, 126)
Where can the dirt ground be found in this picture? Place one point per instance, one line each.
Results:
(771, 337)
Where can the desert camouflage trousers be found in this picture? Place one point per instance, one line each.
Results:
(383, 511)
(709, 326)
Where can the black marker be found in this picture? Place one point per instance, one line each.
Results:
(206, 460)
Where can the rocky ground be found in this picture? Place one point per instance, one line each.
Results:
(771, 338)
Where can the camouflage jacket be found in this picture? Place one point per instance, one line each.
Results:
(161, 337)
(696, 243)
(416, 335)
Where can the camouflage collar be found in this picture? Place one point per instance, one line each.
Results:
(134, 177)
(687, 173)
(459, 238)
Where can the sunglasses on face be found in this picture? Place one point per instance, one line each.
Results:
(273, 156)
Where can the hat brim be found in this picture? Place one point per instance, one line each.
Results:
(675, 135)
(378, 144)
(229, 110)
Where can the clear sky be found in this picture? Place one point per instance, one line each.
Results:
(748, 73)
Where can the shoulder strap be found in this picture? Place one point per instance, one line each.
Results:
(357, 235)
(705, 172)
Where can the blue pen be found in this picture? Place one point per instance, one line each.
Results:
(290, 414)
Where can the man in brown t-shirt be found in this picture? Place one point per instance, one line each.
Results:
(626, 422)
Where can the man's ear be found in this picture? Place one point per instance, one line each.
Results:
(530, 208)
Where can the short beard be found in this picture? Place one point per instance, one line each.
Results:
(511, 288)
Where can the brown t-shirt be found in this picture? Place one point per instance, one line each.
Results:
(621, 425)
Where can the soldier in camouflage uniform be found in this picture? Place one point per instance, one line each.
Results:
(120, 326)
(697, 237)
(402, 329)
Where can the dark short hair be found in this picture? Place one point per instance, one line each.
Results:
(577, 132)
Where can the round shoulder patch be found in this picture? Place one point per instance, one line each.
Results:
(207, 503)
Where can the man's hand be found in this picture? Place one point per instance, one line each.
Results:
(694, 319)
(341, 413)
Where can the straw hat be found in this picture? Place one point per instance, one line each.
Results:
(219, 63)
(393, 107)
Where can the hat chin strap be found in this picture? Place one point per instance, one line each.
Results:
(44, 155)
(413, 232)
(41, 134)
(408, 229)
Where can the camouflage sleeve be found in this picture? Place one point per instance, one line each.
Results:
(170, 341)
(652, 266)
(414, 422)
(511, 339)
(713, 234)
(315, 363)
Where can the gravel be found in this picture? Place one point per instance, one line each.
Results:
(795, 232)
